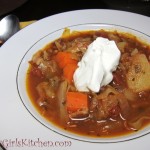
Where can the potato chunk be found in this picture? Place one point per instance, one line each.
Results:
(138, 76)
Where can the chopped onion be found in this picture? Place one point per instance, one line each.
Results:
(61, 101)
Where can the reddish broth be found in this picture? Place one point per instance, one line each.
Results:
(119, 108)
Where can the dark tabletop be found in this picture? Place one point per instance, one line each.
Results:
(38, 9)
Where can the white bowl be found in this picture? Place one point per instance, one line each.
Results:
(21, 82)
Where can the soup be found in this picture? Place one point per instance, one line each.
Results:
(119, 108)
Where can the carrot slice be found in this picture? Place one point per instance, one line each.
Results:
(64, 58)
(69, 70)
(76, 101)
(67, 63)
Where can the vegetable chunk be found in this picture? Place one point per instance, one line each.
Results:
(138, 76)
(68, 71)
(64, 58)
(76, 101)
(67, 63)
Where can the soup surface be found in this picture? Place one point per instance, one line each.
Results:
(119, 108)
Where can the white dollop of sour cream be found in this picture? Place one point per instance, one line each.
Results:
(96, 66)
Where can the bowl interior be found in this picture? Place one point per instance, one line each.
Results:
(21, 80)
